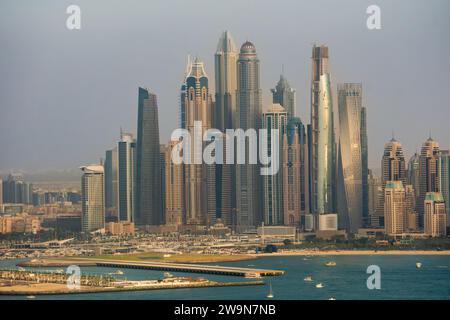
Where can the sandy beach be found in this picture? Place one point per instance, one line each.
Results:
(352, 252)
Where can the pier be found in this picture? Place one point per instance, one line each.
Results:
(155, 265)
(187, 267)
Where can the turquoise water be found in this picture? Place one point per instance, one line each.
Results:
(400, 279)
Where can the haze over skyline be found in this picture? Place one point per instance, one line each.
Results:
(65, 94)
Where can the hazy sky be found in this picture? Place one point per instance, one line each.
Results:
(64, 94)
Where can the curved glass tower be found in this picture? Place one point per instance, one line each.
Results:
(325, 148)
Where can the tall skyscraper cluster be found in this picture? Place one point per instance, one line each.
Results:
(413, 196)
(323, 179)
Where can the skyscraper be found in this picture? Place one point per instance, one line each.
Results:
(148, 199)
(435, 220)
(111, 182)
(365, 166)
(295, 173)
(225, 60)
(319, 68)
(284, 95)
(17, 190)
(351, 157)
(394, 208)
(92, 198)
(200, 194)
(411, 217)
(413, 173)
(126, 175)
(444, 179)
(174, 186)
(225, 118)
(249, 109)
(325, 151)
(374, 193)
(392, 169)
(429, 174)
(274, 119)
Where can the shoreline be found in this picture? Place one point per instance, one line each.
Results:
(31, 289)
(306, 252)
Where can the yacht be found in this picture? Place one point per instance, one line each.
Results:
(308, 279)
(331, 264)
(168, 275)
(319, 285)
(418, 265)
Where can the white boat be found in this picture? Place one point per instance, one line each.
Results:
(31, 297)
(168, 275)
(270, 295)
(330, 264)
(332, 298)
(119, 272)
(418, 265)
(308, 279)
(319, 285)
(252, 275)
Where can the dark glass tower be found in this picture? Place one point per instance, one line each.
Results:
(149, 209)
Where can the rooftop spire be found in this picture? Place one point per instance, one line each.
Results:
(226, 43)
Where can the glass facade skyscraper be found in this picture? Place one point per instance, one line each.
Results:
(92, 198)
(249, 110)
(149, 208)
(351, 156)
(126, 175)
(274, 119)
(325, 149)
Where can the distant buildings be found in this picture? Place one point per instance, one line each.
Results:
(16, 190)
(120, 228)
(435, 219)
(19, 224)
(92, 198)
(148, 198)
